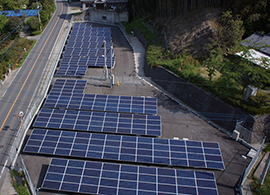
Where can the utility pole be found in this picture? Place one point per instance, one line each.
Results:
(111, 74)
(105, 61)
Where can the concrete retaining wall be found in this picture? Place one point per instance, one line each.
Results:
(103, 16)
(203, 102)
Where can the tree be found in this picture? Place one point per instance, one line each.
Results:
(214, 61)
(33, 23)
(230, 30)
(253, 13)
(13, 25)
(230, 70)
(3, 21)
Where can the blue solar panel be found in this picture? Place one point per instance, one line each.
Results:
(125, 148)
(68, 86)
(71, 70)
(20, 13)
(84, 38)
(112, 103)
(90, 177)
(99, 122)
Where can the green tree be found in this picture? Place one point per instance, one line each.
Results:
(214, 61)
(230, 30)
(33, 23)
(3, 21)
(252, 74)
(13, 24)
(230, 71)
(254, 14)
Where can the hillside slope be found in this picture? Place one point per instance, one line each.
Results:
(193, 32)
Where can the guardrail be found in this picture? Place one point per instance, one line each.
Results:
(39, 95)
(249, 168)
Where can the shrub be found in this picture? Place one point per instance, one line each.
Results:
(34, 33)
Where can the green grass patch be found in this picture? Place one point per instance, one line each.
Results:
(261, 190)
(153, 36)
(19, 182)
(27, 53)
(37, 32)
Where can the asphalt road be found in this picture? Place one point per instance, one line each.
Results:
(19, 94)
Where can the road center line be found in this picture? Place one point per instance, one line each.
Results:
(31, 70)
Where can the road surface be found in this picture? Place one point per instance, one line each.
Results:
(18, 95)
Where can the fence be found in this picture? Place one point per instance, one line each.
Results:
(248, 136)
(40, 94)
(243, 182)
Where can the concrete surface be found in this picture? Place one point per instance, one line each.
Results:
(258, 172)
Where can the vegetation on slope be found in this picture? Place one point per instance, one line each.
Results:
(13, 48)
(216, 69)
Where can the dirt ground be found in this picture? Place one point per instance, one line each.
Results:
(192, 32)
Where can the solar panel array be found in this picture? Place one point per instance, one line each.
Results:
(99, 122)
(68, 86)
(19, 13)
(126, 148)
(112, 103)
(90, 116)
(85, 47)
(69, 70)
(89, 177)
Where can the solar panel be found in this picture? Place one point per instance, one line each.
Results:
(89, 59)
(68, 86)
(71, 70)
(20, 13)
(99, 122)
(90, 177)
(145, 150)
(109, 103)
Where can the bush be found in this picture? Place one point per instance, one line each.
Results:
(259, 101)
(34, 33)
(33, 23)
(44, 16)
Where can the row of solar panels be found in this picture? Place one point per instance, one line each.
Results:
(20, 13)
(88, 177)
(125, 148)
(84, 52)
(85, 49)
(68, 94)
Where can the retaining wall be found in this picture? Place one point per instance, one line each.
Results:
(203, 102)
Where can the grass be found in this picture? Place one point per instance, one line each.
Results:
(152, 36)
(26, 53)
(261, 190)
(19, 182)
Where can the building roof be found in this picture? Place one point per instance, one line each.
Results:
(19, 13)
(257, 58)
(258, 41)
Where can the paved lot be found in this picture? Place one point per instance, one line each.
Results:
(177, 121)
